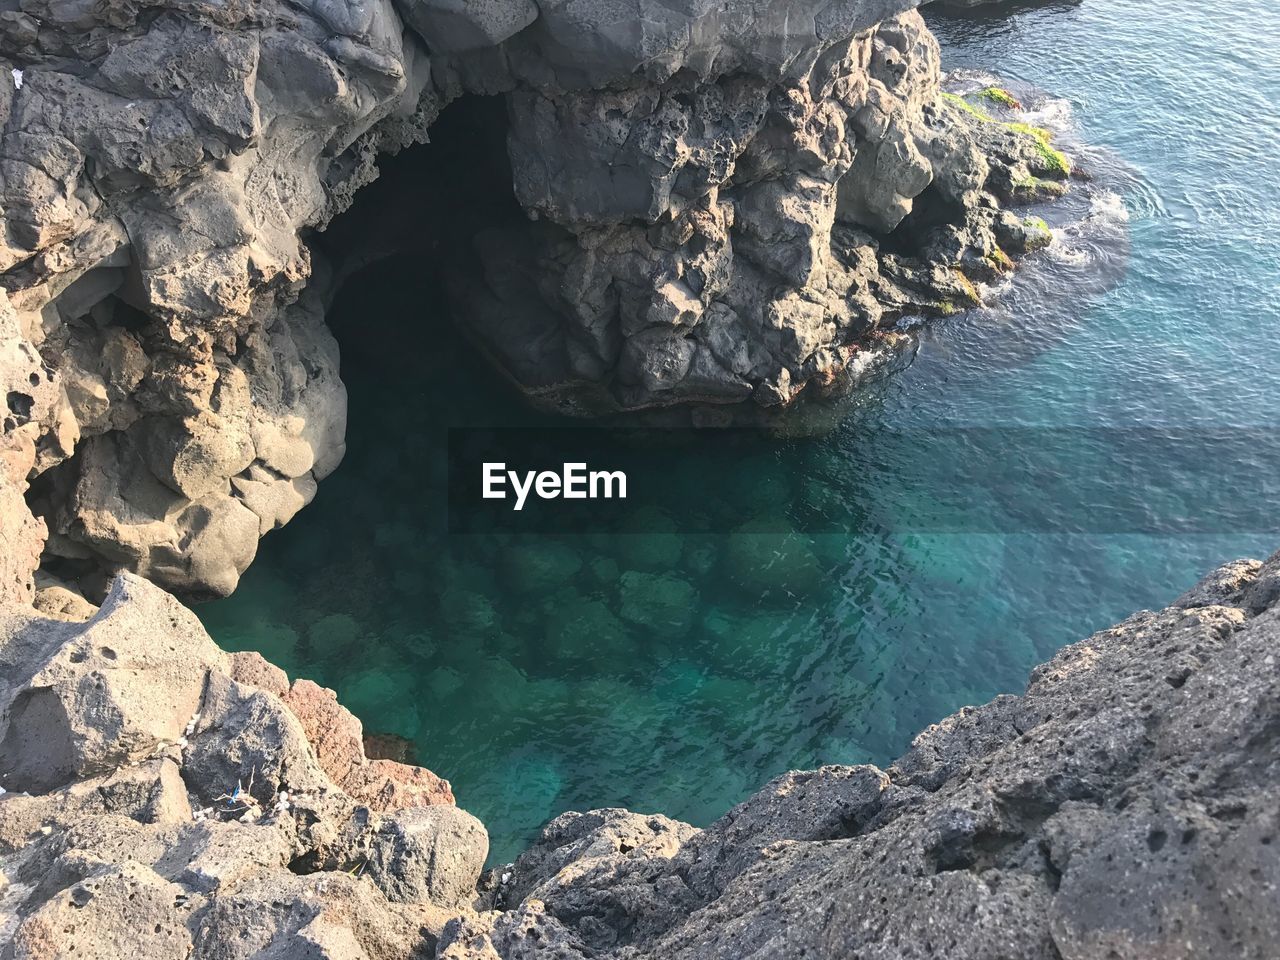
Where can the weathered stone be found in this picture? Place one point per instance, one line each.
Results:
(84, 699)
(332, 915)
(338, 740)
(428, 855)
(126, 910)
(117, 724)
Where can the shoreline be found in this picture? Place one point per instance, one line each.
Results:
(144, 822)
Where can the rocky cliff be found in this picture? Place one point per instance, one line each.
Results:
(721, 207)
(166, 800)
(718, 207)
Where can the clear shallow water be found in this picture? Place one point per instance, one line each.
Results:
(545, 673)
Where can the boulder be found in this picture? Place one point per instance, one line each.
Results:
(147, 772)
(428, 855)
(125, 910)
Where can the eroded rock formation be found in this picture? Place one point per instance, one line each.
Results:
(168, 800)
(744, 237)
(719, 206)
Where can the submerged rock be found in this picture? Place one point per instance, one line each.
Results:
(662, 603)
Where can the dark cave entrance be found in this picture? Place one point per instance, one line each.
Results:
(406, 246)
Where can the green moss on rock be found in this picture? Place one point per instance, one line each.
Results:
(1000, 96)
(962, 104)
(1055, 160)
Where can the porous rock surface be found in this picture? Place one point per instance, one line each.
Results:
(164, 799)
(721, 204)
(1124, 806)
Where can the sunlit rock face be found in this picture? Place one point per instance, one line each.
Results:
(158, 167)
(716, 206)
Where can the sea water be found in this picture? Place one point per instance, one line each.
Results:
(675, 671)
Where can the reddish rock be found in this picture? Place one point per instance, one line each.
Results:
(253, 668)
(337, 737)
(387, 785)
(389, 746)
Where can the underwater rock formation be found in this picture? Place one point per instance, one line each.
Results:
(168, 800)
(719, 206)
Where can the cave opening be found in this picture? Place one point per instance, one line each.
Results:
(406, 246)
(385, 273)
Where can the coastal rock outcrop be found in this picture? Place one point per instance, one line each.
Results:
(713, 207)
(747, 236)
(164, 799)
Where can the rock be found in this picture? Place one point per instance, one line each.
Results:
(583, 626)
(332, 915)
(248, 740)
(609, 868)
(339, 743)
(663, 603)
(1079, 819)
(428, 855)
(61, 602)
(34, 416)
(457, 27)
(100, 694)
(539, 567)
(824, 804)
(167, 777)
(125, 910)
(212, 855)
(250, 667)
(701, 249)
(389, 746)
(762, 557)
(152, 792)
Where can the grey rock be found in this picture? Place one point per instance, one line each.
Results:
(664, 204)
(123, 911)
(165, 799)
(80, 700)
(824, 804)
(428, 855)
(454, 26)
(331, 915)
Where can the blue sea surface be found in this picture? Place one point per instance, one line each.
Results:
(676, 672)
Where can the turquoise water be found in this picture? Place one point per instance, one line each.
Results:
(676, 672)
